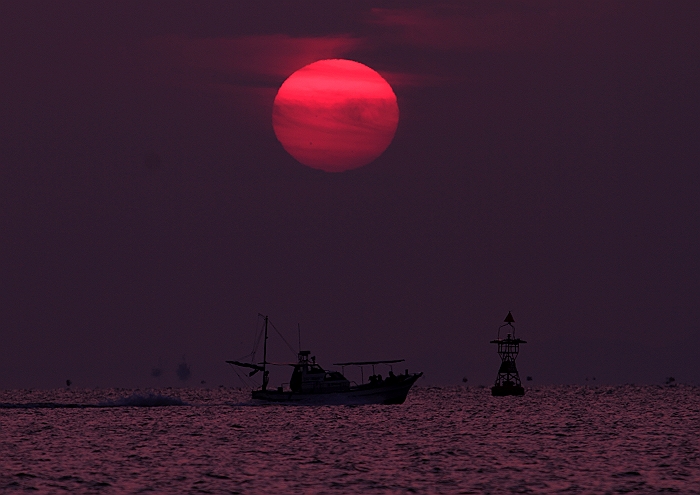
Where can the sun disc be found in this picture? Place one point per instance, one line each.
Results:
(335, 115)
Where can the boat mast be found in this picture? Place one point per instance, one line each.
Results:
(265, 375)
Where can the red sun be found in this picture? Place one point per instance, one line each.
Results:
(335, 115)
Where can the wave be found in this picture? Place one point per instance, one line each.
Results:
(138, 400)
(134, 400)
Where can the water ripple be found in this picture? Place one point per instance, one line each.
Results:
(443, 440)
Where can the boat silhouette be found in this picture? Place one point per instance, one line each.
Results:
(313, 385)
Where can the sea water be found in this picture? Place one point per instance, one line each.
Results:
(559, 439)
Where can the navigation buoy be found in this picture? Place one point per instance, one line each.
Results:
(508, 380)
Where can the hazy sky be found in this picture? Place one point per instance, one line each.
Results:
(545, 162)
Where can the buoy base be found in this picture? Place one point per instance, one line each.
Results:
(504, 390)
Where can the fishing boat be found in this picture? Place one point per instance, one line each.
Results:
(310, 384)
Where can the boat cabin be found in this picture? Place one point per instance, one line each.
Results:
(309, 377)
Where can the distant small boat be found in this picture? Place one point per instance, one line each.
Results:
(310, 384)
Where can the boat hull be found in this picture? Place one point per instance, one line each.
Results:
(382, 393)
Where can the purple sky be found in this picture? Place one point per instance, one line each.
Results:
(545, 162)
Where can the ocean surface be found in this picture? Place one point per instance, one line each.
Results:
(563, 439)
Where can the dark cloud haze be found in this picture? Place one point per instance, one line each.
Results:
(545, 162)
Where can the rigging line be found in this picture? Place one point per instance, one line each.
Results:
(248, 382)
(239, 376)
(255, 348)
(251, 355)
(245, 357)
(282, 337)
(258, 336)
(245, 378)
(255, 334)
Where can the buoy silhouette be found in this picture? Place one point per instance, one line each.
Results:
(508, 380)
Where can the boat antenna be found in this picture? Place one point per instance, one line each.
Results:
(299, 333)
(265, 376)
